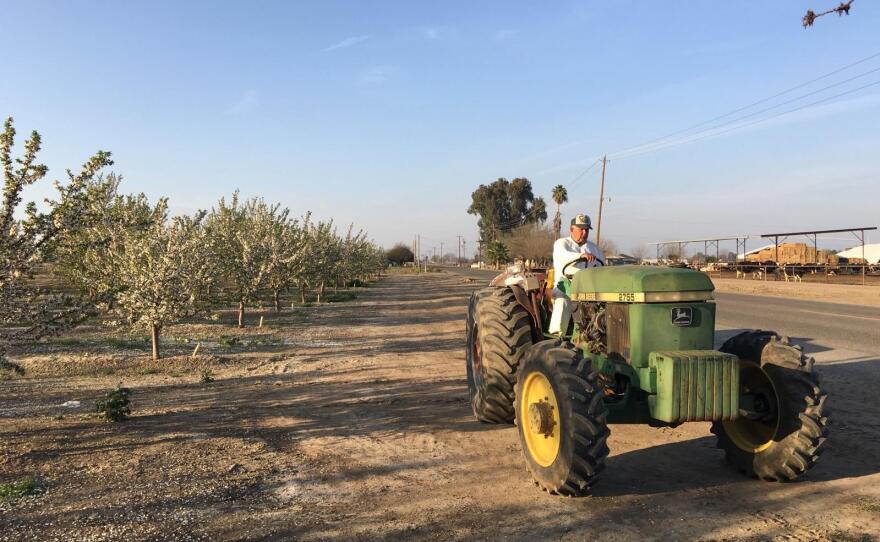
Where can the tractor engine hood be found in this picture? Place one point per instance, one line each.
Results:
(640, 284)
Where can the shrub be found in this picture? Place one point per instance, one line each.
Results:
(114, 405)
(22, 488)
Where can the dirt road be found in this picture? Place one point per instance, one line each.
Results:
(855, 294)
(353, 424)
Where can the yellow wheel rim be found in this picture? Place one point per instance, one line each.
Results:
(754, 436)
(539, 419)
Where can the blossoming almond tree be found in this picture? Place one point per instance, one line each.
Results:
(323, 247)
(87, 257)
(288, 250)
(27, 239)
(238, 237)
(163, 273)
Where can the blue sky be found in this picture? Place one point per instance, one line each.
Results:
(389, 114)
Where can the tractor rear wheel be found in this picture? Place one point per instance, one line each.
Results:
(498, 334)
(783, 424)
(561, 418)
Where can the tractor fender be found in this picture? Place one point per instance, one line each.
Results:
(529, 303)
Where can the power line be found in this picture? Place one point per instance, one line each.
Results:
(749, 106)
(757, 121)
(524, 218)
(664, 142)
(772, 107)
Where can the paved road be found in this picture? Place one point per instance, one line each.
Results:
(821, 327)
(831, 332)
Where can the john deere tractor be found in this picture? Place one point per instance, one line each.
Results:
(640, 349)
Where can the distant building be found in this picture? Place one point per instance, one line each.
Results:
(621, 259)
(872, 253)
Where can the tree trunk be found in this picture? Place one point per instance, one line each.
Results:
(241, 313)
(302, 294)
(154, 332)
(320, 292)
(277, 299)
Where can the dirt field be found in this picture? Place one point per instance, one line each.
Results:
(350, 421)
(832, 293)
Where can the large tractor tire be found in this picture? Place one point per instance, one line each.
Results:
(498, 335)
(561, 419)
(785, 434)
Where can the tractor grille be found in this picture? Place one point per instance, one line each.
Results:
(695, 385)
(617, 324)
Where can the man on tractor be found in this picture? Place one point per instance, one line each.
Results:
(642, 351)
(569, 255)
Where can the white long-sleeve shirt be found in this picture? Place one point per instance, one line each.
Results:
(566, 250)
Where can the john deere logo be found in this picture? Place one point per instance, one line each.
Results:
(682, 316)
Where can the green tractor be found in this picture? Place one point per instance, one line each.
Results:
(640, 349)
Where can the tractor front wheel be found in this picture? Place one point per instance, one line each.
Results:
(561, 419)
(782, 424)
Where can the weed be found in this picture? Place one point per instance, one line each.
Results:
(264, 341)
(845, 536)
(6, 365)
(869, 505)
(114, 405)
(207, 376)
(338, 297)
(120, 343)
(228, 341)
(22, 488)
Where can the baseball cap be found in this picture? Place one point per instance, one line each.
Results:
(581, 221)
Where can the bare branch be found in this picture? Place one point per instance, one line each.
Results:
(811, 16)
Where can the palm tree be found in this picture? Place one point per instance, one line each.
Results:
(498, 253)
(560, 196)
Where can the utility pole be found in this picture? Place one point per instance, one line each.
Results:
(463, 249)
(601, 199)
(458, 262)
(441, 252)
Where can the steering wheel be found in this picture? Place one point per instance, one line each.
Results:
(565, 267)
